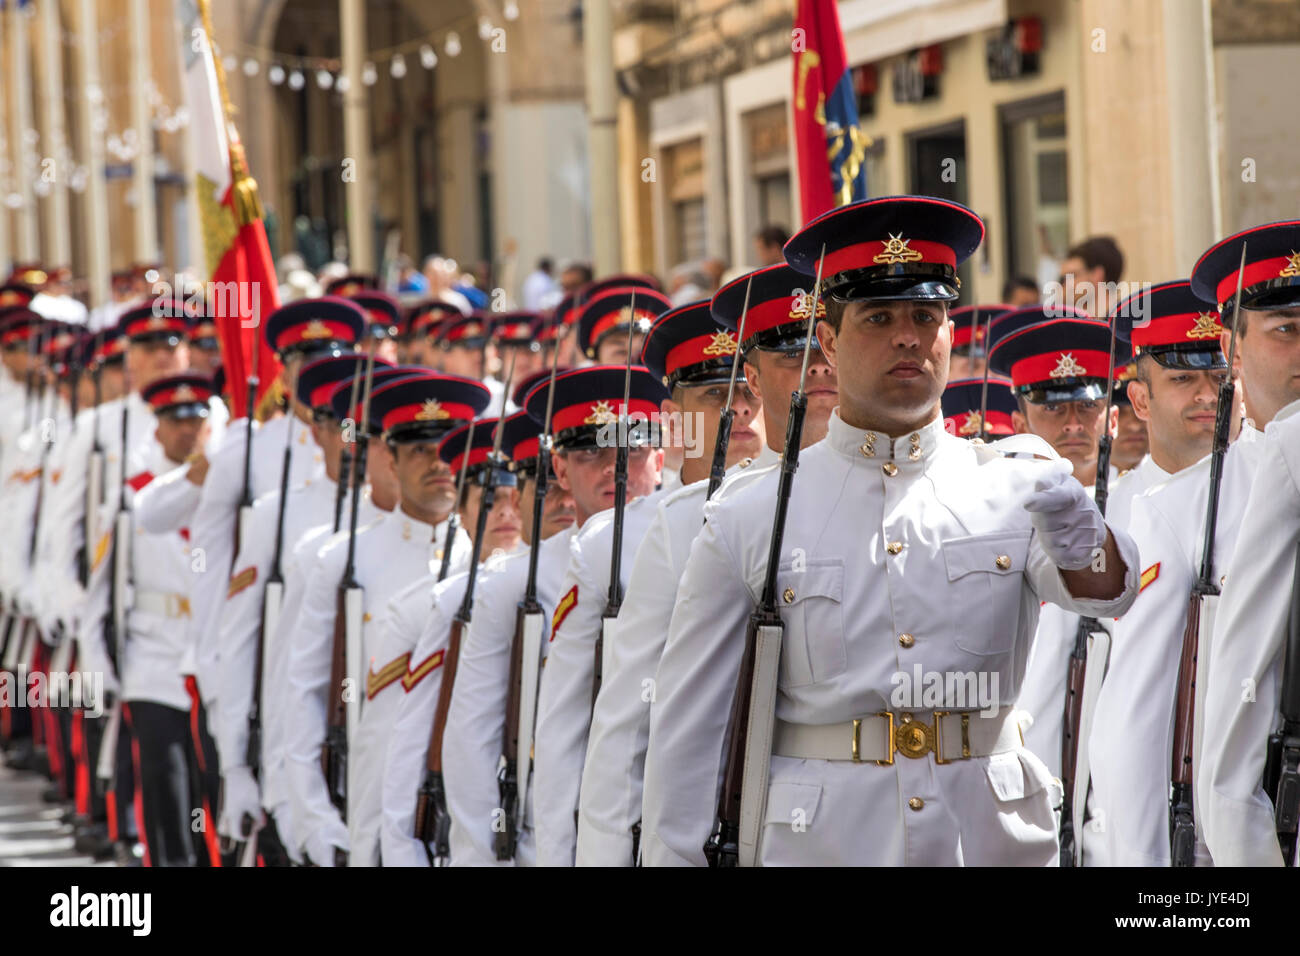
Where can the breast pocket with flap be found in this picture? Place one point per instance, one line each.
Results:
(985, 575)
(811, 603)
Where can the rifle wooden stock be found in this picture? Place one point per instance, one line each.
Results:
(334, 754)
(1070, 729)
(432, 821)
(723, 846)
(1182, 826)
(1282, 773)
(507, 838)
(718, 468)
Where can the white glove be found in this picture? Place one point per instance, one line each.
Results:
(1068, 523)
(239, 797)
(319, 848)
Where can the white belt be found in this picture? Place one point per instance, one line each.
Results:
(161, 603)
(953, 735)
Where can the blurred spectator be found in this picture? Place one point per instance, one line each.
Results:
(1020, 291)
(539, 284)
(687, 283)
(441, 274)
(574, 276)
(713, 270)
(331, 271)
(1090, 267)
(465, 285)
(409, 278)
(769, 243)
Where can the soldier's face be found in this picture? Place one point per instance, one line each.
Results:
(1268, 360)
(426, 482)
(588, 474)
(149, 361)
(1072, 428)
(459, 360)
(1180, 406)
(1130, 439)
(527, 361)
(774, 377)
(329, 438)
(704, 404)
(112, 382)
(205, 361)
(613, 350)
(892, 359)
(965, 366)
(181, 437)
(557, 510)
(503, 526)
(381, 472)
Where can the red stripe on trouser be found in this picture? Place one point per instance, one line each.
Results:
(110, 806)
(137, 801)
(38, 722)
(196, 739)
(81, 787)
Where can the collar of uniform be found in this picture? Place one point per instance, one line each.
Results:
(1150, 471)
(413, 529)
(857, 443)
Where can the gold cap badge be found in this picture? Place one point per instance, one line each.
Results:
(972, 425)
(431, 411)
(723, 343)
(1067, 367)
(601, 414)
(184, 394)
(799, 310)
(1207, 327)
(896, 251)
(1292, 268)
(316, 329)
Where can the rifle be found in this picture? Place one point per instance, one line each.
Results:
(614, 600)
(348, 615)
(525, 658)
(245, 515)
(273, 594)
(345, 455)
(1282, 768)
(115, 619)
(432, 821)
(1182, 824)
(762, 651)
(95, 491)
(718, 469)
(1088, 628)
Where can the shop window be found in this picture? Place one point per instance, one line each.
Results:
(1037, 186)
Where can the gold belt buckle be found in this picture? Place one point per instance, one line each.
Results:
(938, 735)
(913, 738)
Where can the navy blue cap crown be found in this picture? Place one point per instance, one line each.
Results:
(687, 346)
(305, 326)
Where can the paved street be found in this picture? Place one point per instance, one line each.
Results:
(31, 833)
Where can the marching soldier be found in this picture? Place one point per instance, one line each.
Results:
(604, 318)
(383, 319)
(423, 325)
(385, 556)
(253, 781)
(1131, 442)
(153, 685)
(1240, 806)
(1173, 339)
(520, 334)
(1169, 525)
(873, 585)
(970, 325)
(1058, 368)
(298, 333)
(425, 612)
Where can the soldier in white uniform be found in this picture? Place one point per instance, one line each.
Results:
(568, 680)
(423, 615)
(386, 554)
(1173, 338)
(969, 411)
(423, 323)
(305, 330)
(1249, 649)
(399, 624)
(1168, 523)
(610, 800)
(253, 782)
(153, 683)
(895, 530)
(1058, 360)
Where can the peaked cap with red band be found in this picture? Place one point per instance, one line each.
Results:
(973, 320)
(17, 324)
(107, 346)
(588, 399)
(517, 329)
(157, 320)
(608, 313)
(521, 440)
(318, 379)
(619, 281)
(326, 324)
(452, 450)
(349, 285)
(383, 314)
(425, 318)
(180, 396)
(961, 407)
(424, 407)
(1052, 358)
(471, 331)
(777, 320)
(1271, 278)
(891, 248)
(16, 293)
(341, 393)
(687, 346)
(1168, 322)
